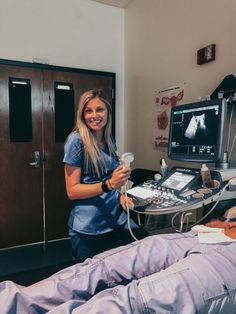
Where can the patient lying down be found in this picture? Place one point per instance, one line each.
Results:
(168, 273)
(229, 227)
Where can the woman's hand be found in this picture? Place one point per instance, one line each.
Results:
(120, 176)
(123, 202)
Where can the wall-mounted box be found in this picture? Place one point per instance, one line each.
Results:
(206, 54)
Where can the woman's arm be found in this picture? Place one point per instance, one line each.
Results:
(77, 190)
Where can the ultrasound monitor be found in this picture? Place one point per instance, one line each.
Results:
(197, 131)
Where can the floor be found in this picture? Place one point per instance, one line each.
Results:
(29, 264)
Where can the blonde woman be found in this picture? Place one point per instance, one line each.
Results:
(93, 175)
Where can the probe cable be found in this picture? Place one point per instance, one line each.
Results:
(128, 212)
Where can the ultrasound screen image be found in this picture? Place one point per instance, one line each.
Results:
(196, 125)
(195, 131)
(200, 128)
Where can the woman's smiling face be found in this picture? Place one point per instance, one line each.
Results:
(95, 114)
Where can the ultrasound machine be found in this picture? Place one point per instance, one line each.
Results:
(198, 133)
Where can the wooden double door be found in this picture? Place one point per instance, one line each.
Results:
(37, 112)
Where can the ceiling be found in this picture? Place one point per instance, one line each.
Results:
(116, 3)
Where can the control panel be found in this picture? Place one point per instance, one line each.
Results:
(180, 189)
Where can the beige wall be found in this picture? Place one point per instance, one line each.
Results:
(160, 44)
(161, 41)
(74, 33)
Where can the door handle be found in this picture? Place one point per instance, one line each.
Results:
(36, 162)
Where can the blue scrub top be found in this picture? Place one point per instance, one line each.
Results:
(98, 214)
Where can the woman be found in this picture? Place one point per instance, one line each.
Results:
(93, 176)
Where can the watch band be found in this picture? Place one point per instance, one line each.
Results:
(105, 187)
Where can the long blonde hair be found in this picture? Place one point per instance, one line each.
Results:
(93, 158)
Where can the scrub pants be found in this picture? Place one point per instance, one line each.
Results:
(85, 245)
(169, 273)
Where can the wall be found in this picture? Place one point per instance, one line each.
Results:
(161, 41)
(75, 33)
